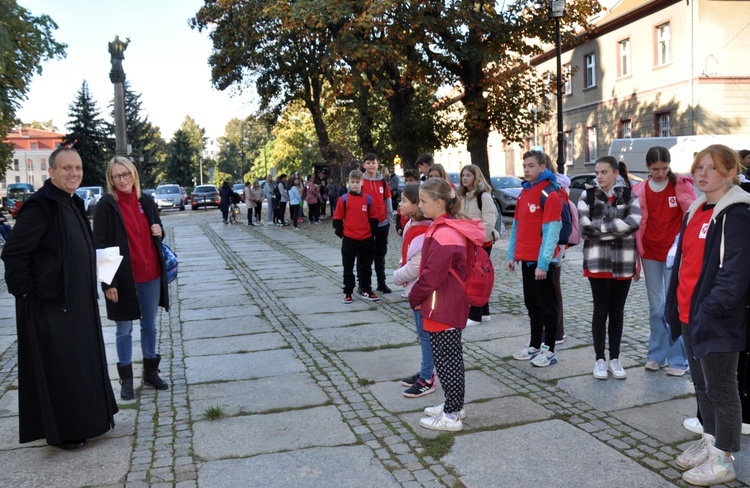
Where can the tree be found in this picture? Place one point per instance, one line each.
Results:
(25, 42)
(485, 48)
(88, 135)
(47, 125)
(182, 157)
(240, 145)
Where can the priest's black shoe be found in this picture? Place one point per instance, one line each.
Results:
(70, 445)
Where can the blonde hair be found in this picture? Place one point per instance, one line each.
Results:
(480, 183)
(133, 172)
(439, 189)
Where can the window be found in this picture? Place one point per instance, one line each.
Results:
(625, 129)
(623, 67)
(663, 45)
(31, 180)
(30, 164)
(568, 84)
(15, 165)
(44, 164)
(590, 78)
(18, 179)
(591, 148)
(568, 147)
(32, 146)
(664, 125)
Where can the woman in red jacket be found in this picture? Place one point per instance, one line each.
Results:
(441, 297)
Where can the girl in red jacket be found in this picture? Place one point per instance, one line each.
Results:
(440, 296)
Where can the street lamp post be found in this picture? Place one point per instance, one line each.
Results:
(557, 12)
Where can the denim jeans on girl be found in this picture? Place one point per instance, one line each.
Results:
(657, 280)
(428, 363)
(148, 298)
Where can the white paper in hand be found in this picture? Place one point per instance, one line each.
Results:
(107, 262)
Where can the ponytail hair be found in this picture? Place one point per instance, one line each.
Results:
(657, 154)
(439, 189)
(623, 169)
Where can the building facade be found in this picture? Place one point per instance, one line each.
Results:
(656, 68)
(29, 162)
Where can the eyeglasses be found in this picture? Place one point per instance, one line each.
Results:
(121, 176)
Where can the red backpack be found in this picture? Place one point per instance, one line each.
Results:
(478, 285)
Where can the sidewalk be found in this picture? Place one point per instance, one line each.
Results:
(306, 390)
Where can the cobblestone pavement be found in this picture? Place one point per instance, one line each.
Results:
(275, 382)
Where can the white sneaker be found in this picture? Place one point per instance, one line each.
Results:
(745, 429)
(718, 468)
(618, 372)
(696, 454)
(438, 409)
(544, 358)
(526, 353)
(486, 318)
(470, 323)
(442, 422)
(600, 369)
(693, 425)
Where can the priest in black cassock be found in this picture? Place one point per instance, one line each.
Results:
(64, 391)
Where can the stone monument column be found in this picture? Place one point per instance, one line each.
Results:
(117, 77)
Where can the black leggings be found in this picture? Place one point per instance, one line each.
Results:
(609, 300)
(280, 212)
(258, 207)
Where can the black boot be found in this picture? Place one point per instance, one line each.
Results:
(126, 381)
(151, 373)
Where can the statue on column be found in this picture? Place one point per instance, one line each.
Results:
(117, 50)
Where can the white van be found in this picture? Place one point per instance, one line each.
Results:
(681, 148)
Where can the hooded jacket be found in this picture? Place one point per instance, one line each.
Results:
(408, 272)
(439, 293)
(719, 304)
(685, 192)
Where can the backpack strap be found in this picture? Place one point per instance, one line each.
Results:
(545, 193)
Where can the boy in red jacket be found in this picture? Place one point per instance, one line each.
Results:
(355, 221)
(374, 184)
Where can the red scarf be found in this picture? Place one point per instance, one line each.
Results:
(143, 257)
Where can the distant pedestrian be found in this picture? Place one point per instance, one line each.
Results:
(355, 222)
(249, 201)
(282, 195)
(477, 203)
(707, 305)
(333, 194)
(4, 227)
(664, 199)
(440, 296)
(312, 197)
(377, 187)
(423, 163)
(295, 202)
(225, 198)
(64, 391)
(533, 242)
(129, 219)
(609, 216)
(423, 382)
(271, 203)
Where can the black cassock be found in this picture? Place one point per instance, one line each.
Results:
(64, 387)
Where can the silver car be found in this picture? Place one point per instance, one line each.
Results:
(169, 196)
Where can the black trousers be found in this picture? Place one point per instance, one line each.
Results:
(280, 211)
(360, 251)
(381, 248)
(294, 210)
(313, 212)
(541, 302)
(609, 301)
(258, 207)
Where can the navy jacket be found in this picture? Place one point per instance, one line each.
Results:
(719, 304)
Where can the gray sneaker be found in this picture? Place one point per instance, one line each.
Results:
(696, 454)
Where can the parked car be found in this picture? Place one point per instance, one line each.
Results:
(150, 192)
(505, 190)
(578, 184)
(204, 195)
(98, 191)
(169, 196)
(89, 200)
(239, 188)
(18, 200)
(15, 189)
(455, 179)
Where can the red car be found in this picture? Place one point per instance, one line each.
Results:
(16, 207)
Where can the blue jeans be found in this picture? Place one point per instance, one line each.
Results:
(659, 349)
(428, 364)
(148, 298)
(715, 380)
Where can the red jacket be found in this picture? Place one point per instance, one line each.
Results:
(355, 217)
(380, 192)
(439, 293)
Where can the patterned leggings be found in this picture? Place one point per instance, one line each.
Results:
(449, 364)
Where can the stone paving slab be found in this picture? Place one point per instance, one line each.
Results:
(223, 328)
(100, 463)
(9, 404)
(321, 290)
(340, 319)
(640, 388)
(500, 412)
(259, 434)
(234, 344)
(479, 386)
(203, 292)
(232, 314)
(213, 303)
(579, 459)
(255, 396)
(662, 421)
(301, 306)
(6, 341)
(365, 336)
(332, 467)
(205, 278)
(252, 365)
(384, 364)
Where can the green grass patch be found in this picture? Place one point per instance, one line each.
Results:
(439, 446)
(213, 413)
(365, 382)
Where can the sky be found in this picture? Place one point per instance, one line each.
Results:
(166, 62)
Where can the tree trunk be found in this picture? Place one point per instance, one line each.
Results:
(399, 102)
(365, 120)
(476, 120)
